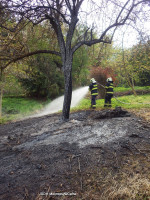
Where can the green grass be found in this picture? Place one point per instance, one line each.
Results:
(15, 108)
(123, 89)
(127, 102)
(131, 101)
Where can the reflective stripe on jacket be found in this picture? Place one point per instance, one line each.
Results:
(109, 87)
(93, 88)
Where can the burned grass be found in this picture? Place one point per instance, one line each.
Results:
(90, 157)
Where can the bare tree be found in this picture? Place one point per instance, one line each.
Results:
(66, 14)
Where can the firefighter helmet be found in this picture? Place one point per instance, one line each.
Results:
(92, 80)
(109, 79)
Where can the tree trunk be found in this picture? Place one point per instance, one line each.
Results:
(1, 92)
(1, 96)
(131, 86)
(128, 76)
(67, 67)
(67, 94)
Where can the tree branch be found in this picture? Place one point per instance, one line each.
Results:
(115, 25)
(122, 10)
(30, 54)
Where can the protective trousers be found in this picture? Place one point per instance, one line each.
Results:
(108, 100)
(93, 101)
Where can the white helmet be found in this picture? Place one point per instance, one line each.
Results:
(109, 79)
(92, 80)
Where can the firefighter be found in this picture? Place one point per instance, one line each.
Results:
(109, 92)
(94, 92)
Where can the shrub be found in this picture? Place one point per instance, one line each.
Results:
(42, 78)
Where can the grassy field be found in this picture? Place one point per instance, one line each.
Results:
(127, 102)
(16, 108)
(139, 105)
(124, 89)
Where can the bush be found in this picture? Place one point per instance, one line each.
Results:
(43, 78)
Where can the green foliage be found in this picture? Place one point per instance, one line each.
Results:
(80, 65)
(11, 85)
(100, 55)
(132, 66)
(35, 85)
(79, 68)
(42, 79)
(144, 78)
(140, 60)
(40, 37)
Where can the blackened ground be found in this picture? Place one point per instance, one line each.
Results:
(44, 154)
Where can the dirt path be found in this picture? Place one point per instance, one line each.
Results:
(79, 159)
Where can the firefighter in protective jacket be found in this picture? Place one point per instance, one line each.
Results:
(94, 92)
(109, 92)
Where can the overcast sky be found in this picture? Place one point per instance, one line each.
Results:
(126, 34)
